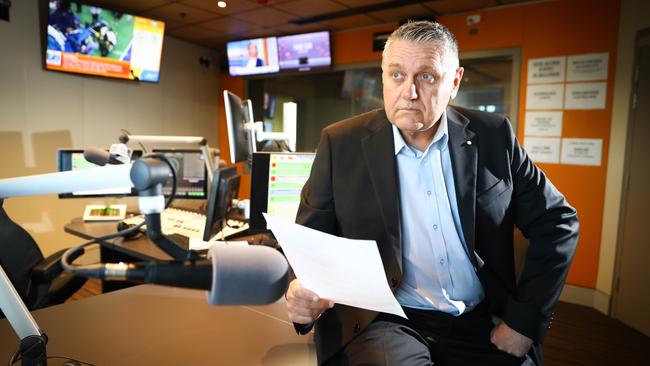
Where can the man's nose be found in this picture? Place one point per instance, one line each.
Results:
(410, 91)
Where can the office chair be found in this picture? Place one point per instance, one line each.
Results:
(39, 281)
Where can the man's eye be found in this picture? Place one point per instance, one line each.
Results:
(396, 74)
(427, 77)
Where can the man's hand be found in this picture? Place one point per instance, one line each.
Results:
(510, 341)
(303, 305)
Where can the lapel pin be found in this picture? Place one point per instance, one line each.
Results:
(468, 142)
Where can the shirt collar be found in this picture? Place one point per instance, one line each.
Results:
(441, 135)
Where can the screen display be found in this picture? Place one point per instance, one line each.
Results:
(304, 52)
(287, 174)
(91, 40)
(73, 159)
(190, 171)
(253, 56)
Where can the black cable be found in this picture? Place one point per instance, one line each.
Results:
(66, 261)
(74, 360)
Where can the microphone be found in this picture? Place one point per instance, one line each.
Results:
(233, 274)
(102, 157)
(121, 152)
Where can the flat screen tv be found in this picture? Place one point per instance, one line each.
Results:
(253, 56)
(306, 51)
(91, 40)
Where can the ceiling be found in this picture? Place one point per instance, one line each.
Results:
(203, 22)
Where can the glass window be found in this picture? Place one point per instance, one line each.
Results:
(490, 83)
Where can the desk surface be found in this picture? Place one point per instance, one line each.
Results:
(154, 325)
(140, 247)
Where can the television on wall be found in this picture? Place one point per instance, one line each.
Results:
(252, 56)
(306, 51)
(91, 40)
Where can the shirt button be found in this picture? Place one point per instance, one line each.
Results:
(442, 261)
(428, 193)
(435, 227)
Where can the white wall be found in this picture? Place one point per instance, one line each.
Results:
(634, 17)
(41, 111)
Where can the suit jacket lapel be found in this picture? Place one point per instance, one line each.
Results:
(379, 153)
(464, 153)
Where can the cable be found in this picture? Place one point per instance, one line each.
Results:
(68, 360)
(74, 361)
(75, 252)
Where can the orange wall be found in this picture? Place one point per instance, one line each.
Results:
(546, 29)
(559, 28)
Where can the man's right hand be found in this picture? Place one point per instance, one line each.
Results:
(305, 306)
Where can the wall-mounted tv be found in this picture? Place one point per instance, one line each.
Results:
(91, 40)
(306, 51)
(253, 56)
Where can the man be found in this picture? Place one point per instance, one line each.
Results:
(440, 189)
(253, 60)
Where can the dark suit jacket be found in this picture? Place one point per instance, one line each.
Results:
(353, 192)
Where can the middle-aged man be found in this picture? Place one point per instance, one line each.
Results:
(440, 189)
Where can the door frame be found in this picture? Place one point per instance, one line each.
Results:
(642, 39)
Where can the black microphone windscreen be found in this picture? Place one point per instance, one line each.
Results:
(97, 156)
(247, 275)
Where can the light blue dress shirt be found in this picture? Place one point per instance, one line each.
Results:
(437, 271)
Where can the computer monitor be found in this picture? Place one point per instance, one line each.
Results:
(276, 182)
(191, 173)
(73, 159)
(239, 118)
(225, 186)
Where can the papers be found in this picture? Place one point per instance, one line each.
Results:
(546, 70)
(346, 271)
(543, 123)
(582, 151)
(591, 66)
(544, 96)
(543, 149)
(585, 96)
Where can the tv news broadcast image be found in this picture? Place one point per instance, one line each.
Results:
(253, 56)
(92, 40)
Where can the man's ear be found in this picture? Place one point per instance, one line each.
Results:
(458, 76)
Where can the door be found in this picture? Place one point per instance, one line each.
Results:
(631, 298)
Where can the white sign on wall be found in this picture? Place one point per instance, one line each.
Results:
(582, 151)
(543, 149)
(591, 66)
(546, 70)
(545, 96)
(585, 95)
(543, 123)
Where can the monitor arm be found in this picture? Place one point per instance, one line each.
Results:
(210, 164)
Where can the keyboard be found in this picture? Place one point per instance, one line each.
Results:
(189, 224)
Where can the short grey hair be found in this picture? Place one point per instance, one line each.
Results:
(422, 32)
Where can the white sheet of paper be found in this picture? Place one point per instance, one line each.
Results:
(346, 271)
(543, 123)
(546, 70)
(587, 67)
(543, 149)
(544, 96)
(582, 151)
(585, 95)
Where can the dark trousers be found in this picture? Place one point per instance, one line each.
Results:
(426, 338)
